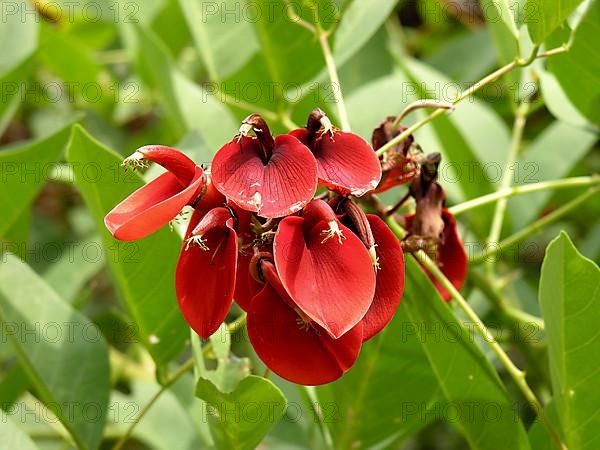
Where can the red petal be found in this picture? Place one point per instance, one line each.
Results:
(303, 356)
(332, 283)
(246, 287)
(171, 159)
(396, 177)
(281, 186)
(390, 278)
(151, 206)
(347, 163)
(205, 280)
(452, 257)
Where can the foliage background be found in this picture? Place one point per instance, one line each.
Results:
(184, 73)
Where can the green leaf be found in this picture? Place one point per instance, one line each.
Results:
(546, 158)
(578, 70)
(558, 103)
(14, 84)
(544, 16)
(570, 303)
(230, 369)
(359, 15)
(66, 359)
(144, 271)
(290, 52)
(87, 255)
(483, 409)
(18, 35)
(25, 169)
(222, 34)
(188, 105)
(388, 394)
(12, 436)
(241, 419)
(505, 11)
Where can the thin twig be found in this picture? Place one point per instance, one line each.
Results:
(467, 93)
(534, 227)
(566, 183)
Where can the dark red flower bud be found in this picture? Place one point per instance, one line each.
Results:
(325, 268)
(398, 164)
(272, 177)
(346, 162)
(290, 343)
(158, 202)
(205, 275)
(450, 254)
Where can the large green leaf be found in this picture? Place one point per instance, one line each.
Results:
(18, 34)
(25, 169)
(240, 419)
(63, 353)
(547, 158)
(13, 438)
(290, 53)
(189, 106)
(570, 302)
(359, 15)
(144, 270)
(469, 382)
(222, 34)
(390, 392)
(544, 16)
(578, 70)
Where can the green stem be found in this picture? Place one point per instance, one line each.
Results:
(420, 104)
(178, 374)
(535, 227)
(515, 373)
(505, 182)
(565, 183)
(335, 80)
(466, 93)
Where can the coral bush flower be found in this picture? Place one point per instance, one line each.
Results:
(389, 282)
(158, 202)
(325, 268)
(205, 275)
(272, 177)
(450, 256)
(346, 162)
(399, 163)
(289, 343)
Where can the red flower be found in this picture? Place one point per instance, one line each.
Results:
(272, 177)
(158, 202)
(205, 275)
(292, 345)
(325, 268)
(389, 285)
(346, 162)
(451, 256)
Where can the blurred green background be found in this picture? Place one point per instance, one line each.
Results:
(185, 73)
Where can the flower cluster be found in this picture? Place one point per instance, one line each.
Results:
(277, 226)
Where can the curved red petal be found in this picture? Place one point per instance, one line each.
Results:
(347, 163)
(171, 159)
(331, 282)
(301, 354)
(151, 206)
(246, 287)
(390, 278)
(205, 280)
(452, 257)
(395, 177)
(281, 186)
